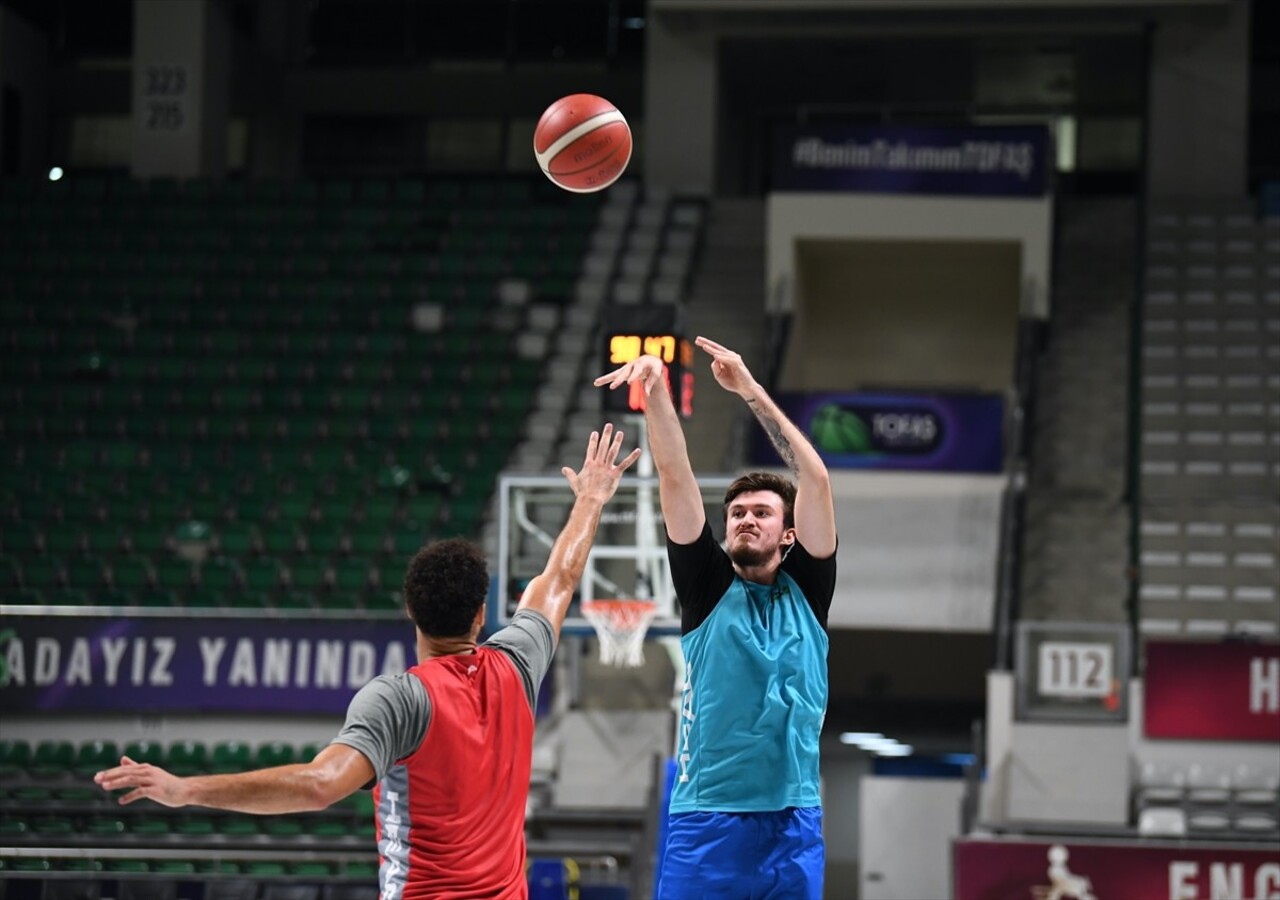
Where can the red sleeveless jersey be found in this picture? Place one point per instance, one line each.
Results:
(450, 817)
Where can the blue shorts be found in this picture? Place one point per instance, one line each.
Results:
(743, 856)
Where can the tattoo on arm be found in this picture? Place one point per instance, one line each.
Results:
(776, 437)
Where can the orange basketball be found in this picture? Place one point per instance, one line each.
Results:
(582, 143)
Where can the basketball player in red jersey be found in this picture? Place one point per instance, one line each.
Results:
(450, 742)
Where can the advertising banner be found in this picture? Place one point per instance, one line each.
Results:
(975, 160)
(931, 432)
(1035, 870)
(162, 664)
(1227, 692)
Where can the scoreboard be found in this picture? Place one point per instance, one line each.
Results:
(631, 332)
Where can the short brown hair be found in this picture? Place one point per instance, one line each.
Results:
(765, 481)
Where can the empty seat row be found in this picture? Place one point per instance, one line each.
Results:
(56, 758)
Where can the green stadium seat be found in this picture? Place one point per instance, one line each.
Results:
(231, 756)
(104, 827)
(93, 756)
(391, 575)
(64, 540)
(275, 753)
(11, 826)
(149, 825)
(131, 573)
(30, 864)
(367, 542)
(80, 796)
(282, 826)
(238, 826)
(53, 826)
(237, 539)
(206, 597)
(192, 826)
(281, 540)
(221, 574)
(157, 598)
(310, 869)
(263, 575)
(173, 574)
(352, 576)
(19, 538)
(32, 795)
(10, 573)
(131, 866)
(360, 871)
(88, 574)
(264, 869)
(294, 600)
(187, 757)
(103, 540)
(145, 752)
(15, 757)
(310, 576)
(326, 540)
(52, 758)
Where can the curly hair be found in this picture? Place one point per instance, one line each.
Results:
(445, 586)
(765, 481)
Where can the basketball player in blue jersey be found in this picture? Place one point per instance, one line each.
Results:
(746, 815)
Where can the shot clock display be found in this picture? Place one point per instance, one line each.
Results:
(654, 332)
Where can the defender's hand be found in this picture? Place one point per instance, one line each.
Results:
(146, 780)
(599, 475)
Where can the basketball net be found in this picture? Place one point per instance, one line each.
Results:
(621, 626)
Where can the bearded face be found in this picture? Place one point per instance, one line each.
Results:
(755, 529)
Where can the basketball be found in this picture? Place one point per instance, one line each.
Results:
(582, 143)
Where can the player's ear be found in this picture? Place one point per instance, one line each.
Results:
(788, 537)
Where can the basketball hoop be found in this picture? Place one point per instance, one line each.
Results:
(621, 626)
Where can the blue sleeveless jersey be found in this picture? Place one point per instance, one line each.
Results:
(755, 695)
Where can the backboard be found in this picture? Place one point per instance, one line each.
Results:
(628, 560)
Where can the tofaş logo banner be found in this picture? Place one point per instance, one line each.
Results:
(930, 432)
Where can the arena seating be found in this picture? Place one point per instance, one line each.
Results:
(1209, 480)
(1210, 422)
(262, 394)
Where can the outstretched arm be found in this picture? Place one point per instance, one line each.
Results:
(336, 772)
(678, 490)
(815, 512)
(550, 592)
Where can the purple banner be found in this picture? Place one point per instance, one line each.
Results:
(188, 665)
(930, 432)
(985, 160)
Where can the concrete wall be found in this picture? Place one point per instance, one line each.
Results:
(916, 551)
(906, 832)
(1198, 105)
(1038, 772)
(792, 217)
(24, 67)
(914, 315)
(181, 88)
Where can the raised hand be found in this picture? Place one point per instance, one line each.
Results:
(727, 367)
(648, 370)
(599, 476)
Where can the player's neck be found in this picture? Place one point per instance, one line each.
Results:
(766, 573)
(429, 647)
